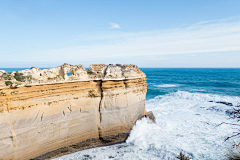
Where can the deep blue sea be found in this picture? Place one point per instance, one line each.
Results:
(185, 119)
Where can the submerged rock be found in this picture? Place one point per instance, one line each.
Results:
(213, 108)
(226, 103)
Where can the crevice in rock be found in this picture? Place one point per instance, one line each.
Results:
(70, 108)
(36, 116)
(14, 136)
(42, 116)
(99, 110)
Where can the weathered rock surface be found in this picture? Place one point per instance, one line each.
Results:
(55, 114)
(1, 72)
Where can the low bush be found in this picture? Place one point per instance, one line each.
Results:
(8, 83)
(7, 76)
(89, 72)
(19, 77)
(14, 92)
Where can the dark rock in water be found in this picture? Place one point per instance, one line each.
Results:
(148, 115)
(151, 116)
(121, 146)
(213, 108)
(86, 155)
(229, 112)
(226, 103)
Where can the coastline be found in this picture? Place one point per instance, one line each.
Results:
(55, 118)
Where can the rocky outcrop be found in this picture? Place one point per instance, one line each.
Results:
(2, 72)
(50, 113)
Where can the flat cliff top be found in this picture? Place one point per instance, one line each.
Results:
(36, 76)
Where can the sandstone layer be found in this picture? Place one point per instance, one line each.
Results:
(46, 113)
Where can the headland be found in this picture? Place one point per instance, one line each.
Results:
(46, 113)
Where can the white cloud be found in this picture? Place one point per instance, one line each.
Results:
(198, 38)
(115, 26)
(217, 36)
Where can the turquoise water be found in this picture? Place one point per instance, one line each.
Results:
(185, 119)
(10, 70)
(212, 81)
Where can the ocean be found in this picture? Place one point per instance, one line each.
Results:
(184, 102)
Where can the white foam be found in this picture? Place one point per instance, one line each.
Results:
(166, 85)
(182, 124)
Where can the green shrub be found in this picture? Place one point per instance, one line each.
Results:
(29, 77)
(2, 93)
(7, 76)
(8, 83)
(89, 72)
(14, 92)
(59, 77)
(19, 76)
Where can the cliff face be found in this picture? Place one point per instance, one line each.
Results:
(87, 109)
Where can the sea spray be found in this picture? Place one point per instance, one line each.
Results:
(186, 120)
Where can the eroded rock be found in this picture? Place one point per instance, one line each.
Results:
(51, 114)
(36, 76)
(1, 72)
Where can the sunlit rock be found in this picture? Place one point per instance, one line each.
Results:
(46, 112)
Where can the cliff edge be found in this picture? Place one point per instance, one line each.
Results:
(48, 113)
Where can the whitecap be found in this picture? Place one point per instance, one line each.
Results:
(166, 85)
(185, 123)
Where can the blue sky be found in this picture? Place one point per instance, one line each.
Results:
(172, 33)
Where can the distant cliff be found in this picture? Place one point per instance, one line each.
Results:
(46, 113)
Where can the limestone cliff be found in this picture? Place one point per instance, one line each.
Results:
(44, 113)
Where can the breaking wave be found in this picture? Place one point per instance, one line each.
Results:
(166, 85)
(184, 122)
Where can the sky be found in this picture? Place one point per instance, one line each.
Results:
(148, 33)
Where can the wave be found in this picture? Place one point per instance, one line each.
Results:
(198, 90)
(166, 85)
(185, 122)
